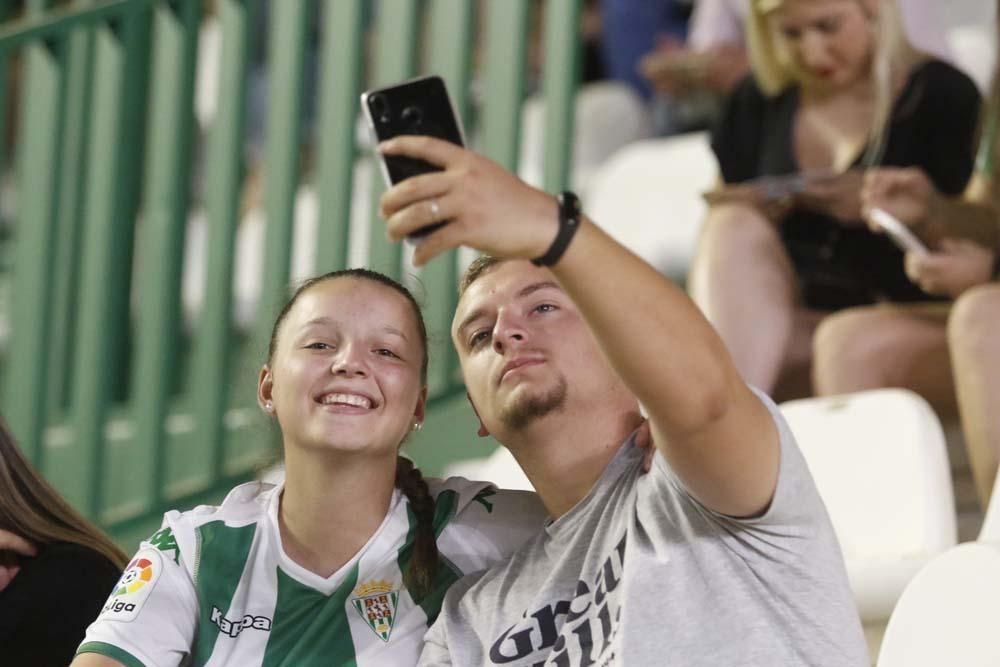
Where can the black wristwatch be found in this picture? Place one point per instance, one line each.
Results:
(569, 222)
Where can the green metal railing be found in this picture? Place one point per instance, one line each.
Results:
(124, 408)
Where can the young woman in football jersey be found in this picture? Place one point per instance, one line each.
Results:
(347, 560)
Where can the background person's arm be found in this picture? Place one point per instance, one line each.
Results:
(909, 195)
(716, 435)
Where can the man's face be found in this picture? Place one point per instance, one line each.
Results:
(521, 343)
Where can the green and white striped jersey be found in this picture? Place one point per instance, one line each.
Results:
(214, 587)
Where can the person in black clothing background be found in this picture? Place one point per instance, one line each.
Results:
(835, 88)
(56, 568)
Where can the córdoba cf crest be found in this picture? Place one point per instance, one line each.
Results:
(376, 602)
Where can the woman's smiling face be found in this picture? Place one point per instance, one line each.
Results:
(345, 374)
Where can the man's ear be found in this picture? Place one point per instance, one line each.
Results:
(483, 432)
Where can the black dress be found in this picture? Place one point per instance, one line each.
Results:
(45, 610)
(933, 126)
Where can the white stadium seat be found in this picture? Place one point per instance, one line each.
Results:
(948, 613)
(990, 531)
(648, 197)
(499, 468)
(881, 466)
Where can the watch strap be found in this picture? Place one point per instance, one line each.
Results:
(569, 222)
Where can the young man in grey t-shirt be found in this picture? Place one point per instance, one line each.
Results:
(721, 555)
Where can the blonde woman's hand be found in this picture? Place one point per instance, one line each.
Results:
(837, 195)
(12, 549)
(958, 265)
(753, 195)
(907, 194)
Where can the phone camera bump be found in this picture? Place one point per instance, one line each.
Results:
(413, 117)
(380, 108)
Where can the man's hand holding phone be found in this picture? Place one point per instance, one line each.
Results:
(487, 207)
(416, 107)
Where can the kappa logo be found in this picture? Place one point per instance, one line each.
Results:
(234, 628)
(376, 602)
(134, 586)
(163, 540)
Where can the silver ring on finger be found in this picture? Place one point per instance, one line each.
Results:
(435, 210)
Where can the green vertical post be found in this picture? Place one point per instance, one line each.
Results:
(79, 70)
(286, 54)
(451, 28)
(397, 26)
(6, 10)
(504, 72)
(340, 84)
(212, 353)
(107, 233)
(161, 244)
(27, 366)
(4, 83)
(561, 75)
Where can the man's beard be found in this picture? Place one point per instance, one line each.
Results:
(527, 409)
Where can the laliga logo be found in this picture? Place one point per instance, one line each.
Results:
(136, 575)
(133, 588)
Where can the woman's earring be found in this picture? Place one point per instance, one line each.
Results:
(417, 425)
(268, 406)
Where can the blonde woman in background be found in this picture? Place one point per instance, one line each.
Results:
(949, 352)
(835, 87)
(56, 568)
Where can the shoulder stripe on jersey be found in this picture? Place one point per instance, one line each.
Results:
(447, 574)
(311, 629)
(220, 561)
(111, 651)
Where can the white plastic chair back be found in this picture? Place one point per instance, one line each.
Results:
(948, 614)
(608, 115)
(880, 463)
(648, 197)
(990, 531)
(499, 468)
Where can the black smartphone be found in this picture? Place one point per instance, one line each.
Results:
(418, 106)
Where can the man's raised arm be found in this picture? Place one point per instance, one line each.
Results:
(714, 432)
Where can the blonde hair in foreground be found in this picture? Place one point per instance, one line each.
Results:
(32, 509)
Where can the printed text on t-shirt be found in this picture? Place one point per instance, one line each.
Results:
(569, 633)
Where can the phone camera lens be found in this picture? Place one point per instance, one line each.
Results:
(380, 108)
(413, 116)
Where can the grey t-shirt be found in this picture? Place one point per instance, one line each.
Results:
(639, 573)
